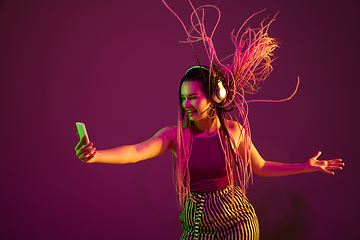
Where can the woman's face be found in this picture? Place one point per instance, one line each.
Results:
(194, 101)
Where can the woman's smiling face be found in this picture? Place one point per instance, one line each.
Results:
(194, 101)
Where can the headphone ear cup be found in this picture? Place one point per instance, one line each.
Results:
(220, 93)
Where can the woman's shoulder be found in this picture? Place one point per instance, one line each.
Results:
(233, 125)
(168, 130)
(235, 129)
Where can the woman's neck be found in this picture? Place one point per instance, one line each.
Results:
(205, 126)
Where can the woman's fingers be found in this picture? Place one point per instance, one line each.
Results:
(327, 171)
(337, 162)
(89, 157)
(84, 150)
(334, 164)
(80, 143)
(334, 168)
(317, 155)
(87, 153)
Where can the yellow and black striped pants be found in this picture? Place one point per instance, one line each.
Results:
(214, 216)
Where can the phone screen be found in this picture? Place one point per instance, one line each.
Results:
(82, 131)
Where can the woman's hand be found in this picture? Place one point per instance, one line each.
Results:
(326, 166)
(85, 153)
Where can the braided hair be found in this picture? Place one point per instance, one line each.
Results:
(251, 64)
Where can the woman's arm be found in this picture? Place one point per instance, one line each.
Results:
(160, 143)
(275, 169)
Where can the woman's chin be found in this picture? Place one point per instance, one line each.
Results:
(195, 117)
(191, 119)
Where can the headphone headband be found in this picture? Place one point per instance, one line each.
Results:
(194, 67)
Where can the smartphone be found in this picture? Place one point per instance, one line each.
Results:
(82, 132)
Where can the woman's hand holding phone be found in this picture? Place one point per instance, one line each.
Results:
(85, 150)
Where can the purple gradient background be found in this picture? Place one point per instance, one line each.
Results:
(116, 66)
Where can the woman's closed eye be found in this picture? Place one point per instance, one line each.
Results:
(190, 98)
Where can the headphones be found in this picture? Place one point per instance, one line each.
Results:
(220, 93)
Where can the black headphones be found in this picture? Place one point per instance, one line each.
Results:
(220, 93)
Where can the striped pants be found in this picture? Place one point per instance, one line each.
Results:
(213, 216)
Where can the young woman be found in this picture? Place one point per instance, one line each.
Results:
(214, 207)
(215, 157)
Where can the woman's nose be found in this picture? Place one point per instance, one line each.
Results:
(186, 103)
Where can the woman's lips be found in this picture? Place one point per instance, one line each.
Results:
(190, 112)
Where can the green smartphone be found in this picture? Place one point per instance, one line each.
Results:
(82, 131)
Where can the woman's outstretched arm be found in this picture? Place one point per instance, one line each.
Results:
(275, 169)
(160, 143)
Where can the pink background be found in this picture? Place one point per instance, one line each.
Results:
(116, 65)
